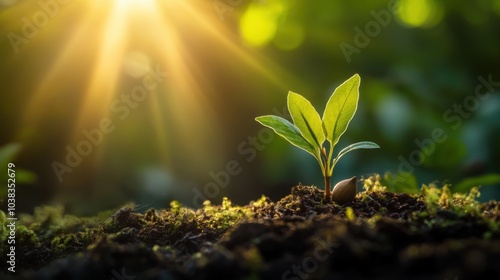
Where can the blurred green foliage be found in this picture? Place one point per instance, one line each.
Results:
(7, 155)
(418, 61)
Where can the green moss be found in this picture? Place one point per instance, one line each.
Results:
(263, 201)
(44, 217)
(179, 230)
(349, 213)
(3, 226)
(180, 218)
(224, 216)
(27, 237)
(442, 198)
(175, 206)
(152, 216)
(373, 184)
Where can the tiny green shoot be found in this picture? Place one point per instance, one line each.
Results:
(310, 132)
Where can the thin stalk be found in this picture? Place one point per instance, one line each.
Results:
(328, 194)
(330, 155)
(326, 175)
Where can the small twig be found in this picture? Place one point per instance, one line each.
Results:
(379, 205)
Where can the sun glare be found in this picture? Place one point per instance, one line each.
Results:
(110, 46)
(137, 4)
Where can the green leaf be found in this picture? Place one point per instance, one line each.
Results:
(25, 176)
(307, 119)
(467, 184)
(8, 152)
(355, 146)
(340, 109)
(287, 130)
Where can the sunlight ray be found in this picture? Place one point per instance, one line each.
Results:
(96, 54)
(103, 82)
(263, 66)
(45, 91)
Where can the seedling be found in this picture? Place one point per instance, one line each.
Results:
(309, 132)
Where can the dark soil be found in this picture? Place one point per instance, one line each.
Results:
(382, 235)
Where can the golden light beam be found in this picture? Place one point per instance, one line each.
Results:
(186, 97)
(46, 89)
(160, 127)
(256, 61)
(103, 82)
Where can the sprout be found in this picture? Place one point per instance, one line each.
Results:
(309, 132)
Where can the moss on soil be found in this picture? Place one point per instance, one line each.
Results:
(384, 235)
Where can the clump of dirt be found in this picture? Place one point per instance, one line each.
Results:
(383, 235)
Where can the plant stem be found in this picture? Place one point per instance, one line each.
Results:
(327, 188)
(326, 174)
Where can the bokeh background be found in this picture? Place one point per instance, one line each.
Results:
(211, 67)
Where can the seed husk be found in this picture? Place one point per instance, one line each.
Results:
(344, 191)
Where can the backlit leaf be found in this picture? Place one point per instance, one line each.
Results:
(340, 109)
(355, 146)
(466, 185)
(306, 118)
(287, 130)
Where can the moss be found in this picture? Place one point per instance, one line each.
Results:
(175, 206)
(59, 244)
(442, 198)
(224, 216)
(44, 217)
(349, 213)
(263, 201)
(179, 218)
(3, 227)
(373, 184)
(152, 216)
(26, 237)
(251, 237)
(124, 217)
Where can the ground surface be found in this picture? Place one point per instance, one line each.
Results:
(381, 235)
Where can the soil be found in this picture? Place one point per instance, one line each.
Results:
(433, 234)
